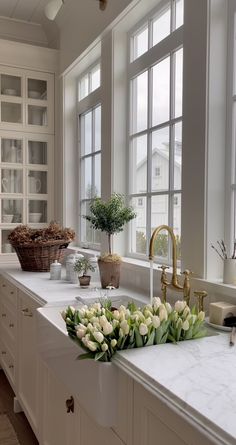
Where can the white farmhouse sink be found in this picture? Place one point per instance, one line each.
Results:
(94, 383)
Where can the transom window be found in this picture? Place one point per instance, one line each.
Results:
(90, 81)
(155, 131)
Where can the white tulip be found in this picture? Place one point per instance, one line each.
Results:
(80, 331)
(148, 321)
(201, 316)
(125, 327)
(84, 321)
(104, 347)
(99, 337)
(97, 306)
(156, 302)
(168, 308)
(72, 309)
(63, 314)
(113, 343)
(107, 328)
(121, 333)
(147, 313)
(103, 320)
(116, 314)
(156, 321)
(163, 314)
(185, 325)
(180, 305)
(92, 345)
(115, 323)
(143, 329)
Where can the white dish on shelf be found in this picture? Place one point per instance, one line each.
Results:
(34, 94)
(7, 218)
(218, 326)
(9, 91)
(35, 217)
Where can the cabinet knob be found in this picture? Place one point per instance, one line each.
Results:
(11, 325)
(4, 315)
(3, 285)
(3, 352)
(70, 405)
(12, 292)
(26, 312)
(11, 366)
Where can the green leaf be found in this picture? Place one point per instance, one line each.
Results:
(189, 333)
(138, 338)
(99, 355)
(88, 355)
(200, 334)
(171, 338)
(151, 339)
(164, 338)
(158, 335)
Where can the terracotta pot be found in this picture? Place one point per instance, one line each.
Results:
(84, 280)
(109, 273)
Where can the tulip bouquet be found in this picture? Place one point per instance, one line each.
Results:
(101, 330)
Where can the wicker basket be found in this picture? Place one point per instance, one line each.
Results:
(38, 257)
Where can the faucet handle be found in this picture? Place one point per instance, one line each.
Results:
(187, 272)
(163, 267)
(200, 295)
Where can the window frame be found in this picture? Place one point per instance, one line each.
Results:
(154, 55)
(84, 106)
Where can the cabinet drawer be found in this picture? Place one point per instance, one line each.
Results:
(8, 326)
(7, 362)
(9, 292)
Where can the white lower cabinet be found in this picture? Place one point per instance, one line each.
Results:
(91, 433)
(59, 427)
(28, 385)
(157, 424)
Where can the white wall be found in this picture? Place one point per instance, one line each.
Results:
(81, 23)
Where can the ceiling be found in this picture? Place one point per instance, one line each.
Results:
(25, 21)
(27, 10)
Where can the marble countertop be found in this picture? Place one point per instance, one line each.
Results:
(196, 378)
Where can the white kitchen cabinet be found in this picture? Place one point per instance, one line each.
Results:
(29, 383)
(26, 150)
(59, 427)
(155, 423)
(8, 329)
(91, 433)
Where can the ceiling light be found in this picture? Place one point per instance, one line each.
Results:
(52, 8)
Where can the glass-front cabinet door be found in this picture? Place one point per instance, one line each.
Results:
(27, 101)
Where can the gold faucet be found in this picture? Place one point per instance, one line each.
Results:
(174, 280)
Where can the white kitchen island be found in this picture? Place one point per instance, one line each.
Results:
(165, 395)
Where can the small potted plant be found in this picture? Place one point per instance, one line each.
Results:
(82, 265)
(110, 217)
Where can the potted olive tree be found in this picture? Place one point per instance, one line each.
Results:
(83, 265)
(110, 217)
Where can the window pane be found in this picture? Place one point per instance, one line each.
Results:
(178, 155)
(97, 172)
(140, 43)
(95, 78)
(86, 176)
(139, 102)
(160, 159)
(138, 165)
(86, 133)
(177, 221)
(159, 217)
(178, 82)
(161, 26)
(179, 13)
(83, 87)
(161, 92)
(138, 226)
(86, 230)
(97, 128)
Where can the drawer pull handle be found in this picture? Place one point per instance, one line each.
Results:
(11, 366)
(27, 313)
(4, 315)
(3, 352)
(70, 405)
(11, 325)
(12, 292)
(3, 285)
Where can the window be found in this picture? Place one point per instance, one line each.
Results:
(89, 130)
(155, 130)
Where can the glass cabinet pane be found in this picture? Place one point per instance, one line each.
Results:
(11, 181)
(37, 182)
(11, 150)
(37, 152)
(10, 85)
(37, 89)
(12, 211)
(37, 115)
(37, 211)
(6, 246)
(11, 112)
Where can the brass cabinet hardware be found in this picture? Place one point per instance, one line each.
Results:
(11, 366)
(70, 405)
(3, 352)
(27, 313)
(4, 315)
(12, 292)
(200, 295)
(3, 285)
(11, 325)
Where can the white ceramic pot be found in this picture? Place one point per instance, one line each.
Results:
(229, 273)
(7, 218)
(35, 217)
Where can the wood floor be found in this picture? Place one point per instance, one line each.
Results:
(22, 428)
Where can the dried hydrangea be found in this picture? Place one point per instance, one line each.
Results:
(24, 234)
